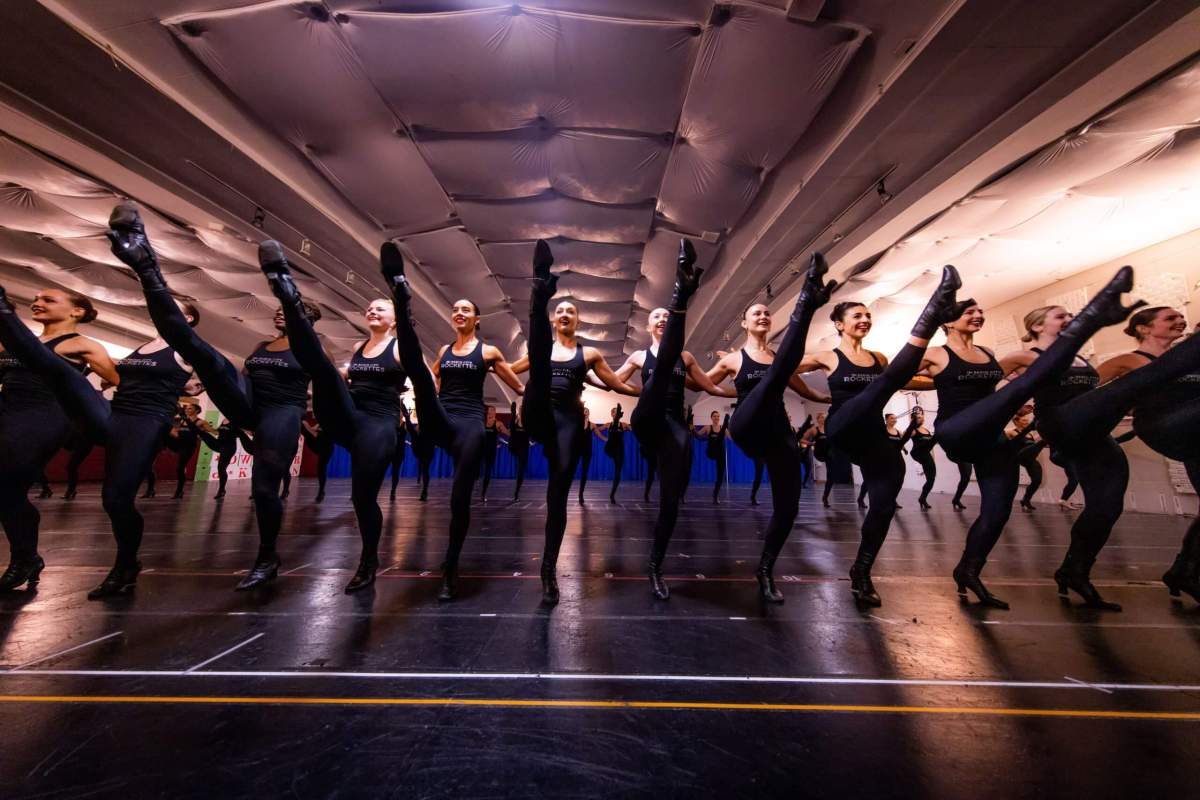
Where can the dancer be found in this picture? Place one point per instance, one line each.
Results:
(518, 447)
(861, 382)
(804, 437)
(757, 483)
(759, 425)
(322, 445)
(424, 449)
(1060, 460)
(223, 442)
(33, 425)
(922, 453)
(269, 401)
(714, 435)
(78, 448)
(183, 441)
(1029, 447)
(898, 440)
(1166, 417)
(659, 420)
(132, 428)
(585, 451)
(398, 456)
(493, 429)
(360, 411)
(974, 431)
(553, 408)
(449, 398)
(614, 447)
(821, 453)
(651, 467)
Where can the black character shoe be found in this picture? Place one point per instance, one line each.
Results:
(122, 579)
(265, 569)
(22, 571)
(966, 576)
(364, 576)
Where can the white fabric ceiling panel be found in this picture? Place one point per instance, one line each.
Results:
(515, 259)
(505, 68)
(586, 165)
(759, 82)
(1170, 165)
(273, 55)
(452, 262)
(551, 215)
(1174, 101)
(695, 11)
(23, 209)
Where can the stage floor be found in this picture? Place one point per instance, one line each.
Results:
(189, 689)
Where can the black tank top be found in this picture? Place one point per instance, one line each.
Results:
(674, 388)
(1071, 384)
(151, 384)
(491, 436)
(1182, 391)
(276, 379)
(462, 379)
(895, 438)
(23, 388)
(377, 383)
(566, 381)
(748, 375)
(518, 439)
(922, 443)
(712, 447)
(962, 382)
(848, 379)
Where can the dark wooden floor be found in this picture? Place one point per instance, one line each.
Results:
(189, 689)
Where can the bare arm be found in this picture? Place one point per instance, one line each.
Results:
(605, 373)
(727, 367)
(520, 365)
(797, 385)
(700, 379)
(1116, 367)
(1016, 362)
(502, 368)
(92, 353)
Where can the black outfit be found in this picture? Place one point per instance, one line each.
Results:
(491, 440)
(651, 470)
(224, 444)
(760, 427)
(79, 448)
(614, 448)
(33, 426)
(451, 418)
(586, 445)
(714, 449)
(518, 446)
(1027, 457)
(183, 444)
(398, 457)
(659, 422)
(922, 453)
(424, 450)
(322, 445)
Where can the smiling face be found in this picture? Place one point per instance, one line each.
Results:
(855, 322)
(889, 420)
(54, 305)
(757, 320)
(380, 315)
(657, 322)
(920, 416)
(971, 321)
(1052, 324)
(566, 318)
(280, 323)
(1167, 324)
(464, 316)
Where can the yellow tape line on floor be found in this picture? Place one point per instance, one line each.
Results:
(603, 704)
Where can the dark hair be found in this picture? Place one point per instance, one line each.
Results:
(478, 312)
(79, 301)
(1143, 317)
(751, 305)
(839, 311)
(311, 310)
(190, 310)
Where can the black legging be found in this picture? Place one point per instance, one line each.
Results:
(29, 438)
(322, 446)
(651, 468)
(964, 480)
(758, 476)
(520, 454)
(1060, 460)
(370, 438)
(488, 467)
(662, 431)
(761, 428)
(131, 441)
(276, 428)
(924, 459)
(1028, 458)
(558, 427)
(857, 429)
(462, 436)
(719, 463)
(585, 461)
(184, 447)
(398, 458)
(79, 449)
(615, 450)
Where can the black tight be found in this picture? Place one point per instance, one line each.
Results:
(29, 438)
(1034, 468)
(928, 466)
(463, 437)
(760, 427)
(521, 456)
(998, 476)
(758, 476)
(719, 463)
(651, 468)
(857, 429)
(370, 438)
(79, 449)
(964, 480)
(398, 459)
(1103, 472)
(585, 463)
(559, 429)
(1060, 460)
(617, 454)
(489, 466)
(662, 432)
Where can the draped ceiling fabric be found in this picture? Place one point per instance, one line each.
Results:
(52, 224)
(610, 128)
(1125, 180)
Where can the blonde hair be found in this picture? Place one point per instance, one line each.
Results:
(1035, 317)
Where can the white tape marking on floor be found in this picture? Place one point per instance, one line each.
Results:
(64, 652)
(233, 649)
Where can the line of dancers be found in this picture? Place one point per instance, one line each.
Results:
(47, 398)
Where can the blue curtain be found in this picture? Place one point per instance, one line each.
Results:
(740, 467)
